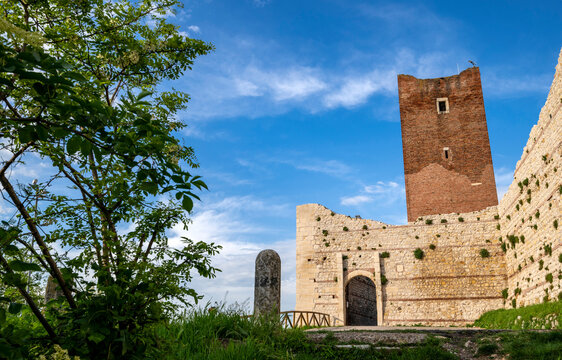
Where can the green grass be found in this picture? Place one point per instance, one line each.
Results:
(533, 345)
(225, 334)
(531, 317)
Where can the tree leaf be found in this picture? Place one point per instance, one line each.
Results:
(73, 145)
(14, 308)
(25, 134)
(143, 94)
(187, 203)
(18, 265)
(85, 147)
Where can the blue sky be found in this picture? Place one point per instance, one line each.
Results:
(299, 104)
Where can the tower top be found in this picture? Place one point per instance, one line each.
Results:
(447, 158)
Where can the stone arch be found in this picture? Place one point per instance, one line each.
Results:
(360, 299)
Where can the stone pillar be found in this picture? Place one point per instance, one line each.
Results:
(267, 287)
(52, 291)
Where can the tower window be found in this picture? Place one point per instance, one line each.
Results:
(447, 153)
(442, 105)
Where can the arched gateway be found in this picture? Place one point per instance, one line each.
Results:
(361, 301)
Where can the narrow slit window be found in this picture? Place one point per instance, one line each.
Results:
(447, 153)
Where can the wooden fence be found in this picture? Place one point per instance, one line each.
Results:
(295, 318)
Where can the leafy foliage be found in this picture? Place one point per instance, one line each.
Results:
(79, 89)
(418, 254)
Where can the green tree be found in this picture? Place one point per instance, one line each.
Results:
(80, 87)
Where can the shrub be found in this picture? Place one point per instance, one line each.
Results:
(418, 254)
(359, 248)
(555, 224)
(498, 226)
(505, 293)
(332, 213)
(517, 291)
(484, 253)
(417, 237)
(537, 214)
(548, 250)
(560, 258)
(325, 232)
(504, 247)
(548, 277)
(461, 219)
(384, 280)
(365, 227)
(345, 228)
(526, 182)
(318, 218)
(497, 217)
(432, 246)
(443, 221)
(514, 303)
(428, 221)
(385, 254)
(541, 264)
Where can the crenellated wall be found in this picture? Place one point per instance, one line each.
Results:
(502, 256)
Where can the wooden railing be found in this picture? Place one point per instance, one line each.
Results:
(295, 318)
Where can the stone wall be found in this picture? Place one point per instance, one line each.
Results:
(506, 255)
(451, 285)
(462, 178)
(531, 210)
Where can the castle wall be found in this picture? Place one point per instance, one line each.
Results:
(501, 256)
(462, 178)
(452, 285)
(531, 206)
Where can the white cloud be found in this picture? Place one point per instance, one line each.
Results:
(296, 84)
(261, 3)
(356, 90)
(329, 167)
(504, 178)
(229, 223)
(355, 200)
(383, 192)
(194, 28)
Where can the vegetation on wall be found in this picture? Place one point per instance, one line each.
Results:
(418, 254)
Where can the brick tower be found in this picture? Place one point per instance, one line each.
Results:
(447, 159)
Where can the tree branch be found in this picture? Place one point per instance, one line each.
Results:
(31, 303)
(39, 239)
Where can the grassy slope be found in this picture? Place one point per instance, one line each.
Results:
(225, 334)
(528, 317)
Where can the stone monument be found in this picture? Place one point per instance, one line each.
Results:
(267, 288)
